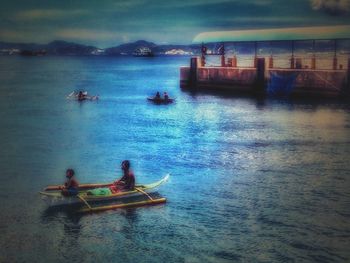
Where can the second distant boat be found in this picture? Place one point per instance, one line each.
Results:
(143, 52)
(157, 99)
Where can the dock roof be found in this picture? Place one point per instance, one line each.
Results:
(277, 34)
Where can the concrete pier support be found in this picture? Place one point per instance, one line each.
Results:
(298, 63)
(193, 72)
(313, 62)
(223, 63)
(255, 62)
(348, 76)
(202, 60)
(335, 63)
(234, 62)
(271, 62)
(260, 76)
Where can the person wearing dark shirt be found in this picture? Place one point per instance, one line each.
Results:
(166, 96)
(71, 185)
(81, 96)
(127, 181)
(157, 96)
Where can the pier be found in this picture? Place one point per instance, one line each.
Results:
(324, 73)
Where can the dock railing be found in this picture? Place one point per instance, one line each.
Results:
(298, 61)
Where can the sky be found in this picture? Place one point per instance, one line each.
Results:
(110, 23)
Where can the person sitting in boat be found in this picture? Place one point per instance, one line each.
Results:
(127, 182)
(81, 96)
(157, 97)
(166, 96)
(71, 185)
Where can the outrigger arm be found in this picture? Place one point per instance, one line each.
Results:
(85, 202)
(141, 191)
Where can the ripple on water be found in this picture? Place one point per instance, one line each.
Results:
(252, 181)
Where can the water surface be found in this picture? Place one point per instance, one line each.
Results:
(251, 181)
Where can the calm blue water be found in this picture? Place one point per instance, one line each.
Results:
(251, 181)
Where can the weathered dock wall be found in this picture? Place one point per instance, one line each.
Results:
(293, 82)
(239, 79)
(307, 82)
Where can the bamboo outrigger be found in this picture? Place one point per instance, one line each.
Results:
(125, 205)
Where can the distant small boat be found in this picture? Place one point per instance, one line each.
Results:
(75, 96)
(33, 53)
(161, 100)
(143, 52)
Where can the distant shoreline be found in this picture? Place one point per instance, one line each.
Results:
(63, 48)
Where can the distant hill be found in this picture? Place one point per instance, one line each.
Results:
(128, 49)
(56, 47)
(59, 47)
(21, 46)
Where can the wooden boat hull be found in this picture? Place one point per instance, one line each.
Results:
(57, 199)
(160, 101)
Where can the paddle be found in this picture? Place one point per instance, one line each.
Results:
(82, 186)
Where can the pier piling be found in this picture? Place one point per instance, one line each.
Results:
(348, 76)
(223, 63)
(271, 62)
(298, 63)
(234, 61)
(335, 63)
(260, 75)
(313, 62)
(292, 62)
(193, 72)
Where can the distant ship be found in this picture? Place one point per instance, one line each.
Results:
(33, 53)
(143, 52)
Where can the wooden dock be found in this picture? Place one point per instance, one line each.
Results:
(315, 60)
(304, 82)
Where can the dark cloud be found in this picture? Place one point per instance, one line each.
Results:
(111, 22)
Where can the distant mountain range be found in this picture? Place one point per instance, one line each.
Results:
(59, 47)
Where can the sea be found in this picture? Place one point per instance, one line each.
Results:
(251, 180)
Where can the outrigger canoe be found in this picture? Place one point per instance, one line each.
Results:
(160, 100)
(53, 196)
(75, 96)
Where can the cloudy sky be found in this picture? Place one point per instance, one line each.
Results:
(107, 23)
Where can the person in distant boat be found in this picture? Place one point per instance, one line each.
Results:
(81, 96)
(71, 185)
(127, 182)
(166, 96)
(157, 96)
